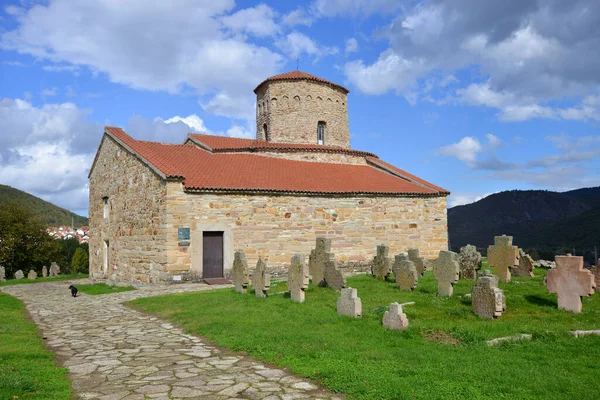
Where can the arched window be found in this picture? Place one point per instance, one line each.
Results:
(321, 132)
(265, 132)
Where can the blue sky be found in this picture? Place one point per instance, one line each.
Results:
(476, 97)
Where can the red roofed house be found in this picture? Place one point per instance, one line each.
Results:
(159, 209)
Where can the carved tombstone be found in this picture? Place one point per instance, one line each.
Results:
(446, 272)
(316, 262)
(469, 261)
(298, 278)
(349, 303)
(240, 272)
(44, 271)
(395, 319)
(405, 272)
(32, 275)
(503, 256)
(487, 299)
(570, 282)
(595, 271)
(19, 275)
(413, 255)
(2, 274)
(525, 265)
(261, 279)
(381, 267)
(334, 277)
(54, 269)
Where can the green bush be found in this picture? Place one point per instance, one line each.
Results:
(80, 261)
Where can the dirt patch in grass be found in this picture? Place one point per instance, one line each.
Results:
(440, 337)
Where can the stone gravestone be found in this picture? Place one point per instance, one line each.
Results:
(381, 267)
(261, 279)
(570, 282)
(32, 275)
(413, 255)
(2, 274)
(503, 256)
(488, 301)
(469, 261)
(54, 269)
(405, 272)
(446, 272)
(19, 275)
(334, 277)
(595, 271)
(298, 278)
(395, 319)
(44, 271)
(240, 272)
(349, 304)
(316, 262)
(525, 265)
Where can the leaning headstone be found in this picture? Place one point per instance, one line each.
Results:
(570, 282)
(316, 262)
(240, 272)
(44, 271)
(488, 301)
(503, 256)
(405, 272)
(413, 255)
(381, 267)
(261, 279)
(469, 261)
(395, 319)
(2, 274)
(349, 303)
(32, 275)
(298, 278)
(525, 265)
(19, 275)
(333, 276)
(54, 269)
(446, 272)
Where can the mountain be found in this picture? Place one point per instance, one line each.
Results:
(48, 213)
(535, 218)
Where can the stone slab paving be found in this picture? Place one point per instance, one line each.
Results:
(116, 353)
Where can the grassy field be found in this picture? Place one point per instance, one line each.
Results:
(103, 288)
(27, 369)
(42, 279)
(441, 355)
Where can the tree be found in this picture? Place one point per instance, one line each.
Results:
(80, 261)
(68, 248)
(24, 242)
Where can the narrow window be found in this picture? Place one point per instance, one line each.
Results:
(105, 256)
(106, 208)
(321, 132)
(265, 132)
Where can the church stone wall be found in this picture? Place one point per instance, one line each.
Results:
(311, 156)
(292, 109)
(135, 227)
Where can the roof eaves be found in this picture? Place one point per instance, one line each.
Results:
(191, 138)
(383, 167)
(221, 190)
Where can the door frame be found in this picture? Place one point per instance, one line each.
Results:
(197, 243)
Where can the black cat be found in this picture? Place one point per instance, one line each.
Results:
(73, 291)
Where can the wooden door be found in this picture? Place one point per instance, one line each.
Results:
(212, 254)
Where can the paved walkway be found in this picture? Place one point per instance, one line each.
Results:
(116, 353)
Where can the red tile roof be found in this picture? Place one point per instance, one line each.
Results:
(222, 144)
(298, 76)
(203, 170)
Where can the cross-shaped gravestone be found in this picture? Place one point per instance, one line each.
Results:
(316, 262)
(2, 274)
(32, 275)
(44, 271)
(298, 278)
(405, 272)
(240, 272)
(570, 282)
(487, 299)
(503, 256)
(525, 265)
(349, 303)
(413, 255)
(333, 276)
(261, 279)
(395, 319)
(19, 274)
(54, 269)
(381, 267)
(446, 272)
(469, 261)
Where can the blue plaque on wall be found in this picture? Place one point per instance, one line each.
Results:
(183, 234)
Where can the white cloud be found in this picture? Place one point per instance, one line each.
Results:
(351, 46)
(465, 150)
(240, 132)
(224, 104)
(469, 150)
(295, 44)
(257, 21)
(194, 122)
(49, 92)
(296, 17)
(459, 199)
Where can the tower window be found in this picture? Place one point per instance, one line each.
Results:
(321, 132)
(266, 132)
(106, 208)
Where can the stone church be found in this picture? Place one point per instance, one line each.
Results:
(161, 211)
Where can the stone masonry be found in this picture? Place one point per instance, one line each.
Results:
(503, 256)
(488, 301)
(317, 259)
(298, 278)
(349, 303)
(469, 261)
(446, 272)
(405, 272)
(382, 265)
(570, 282)
(525, 266)
(241, 278)
(394, 318)
(261, 279)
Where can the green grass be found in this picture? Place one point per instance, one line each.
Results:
(103, 288)
(27, 369)
(442, 354)
(26, 281)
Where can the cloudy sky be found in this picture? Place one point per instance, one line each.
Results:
(475, 96)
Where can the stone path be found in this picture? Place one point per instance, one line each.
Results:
(116, 353)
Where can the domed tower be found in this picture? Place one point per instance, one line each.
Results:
(297, 107)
